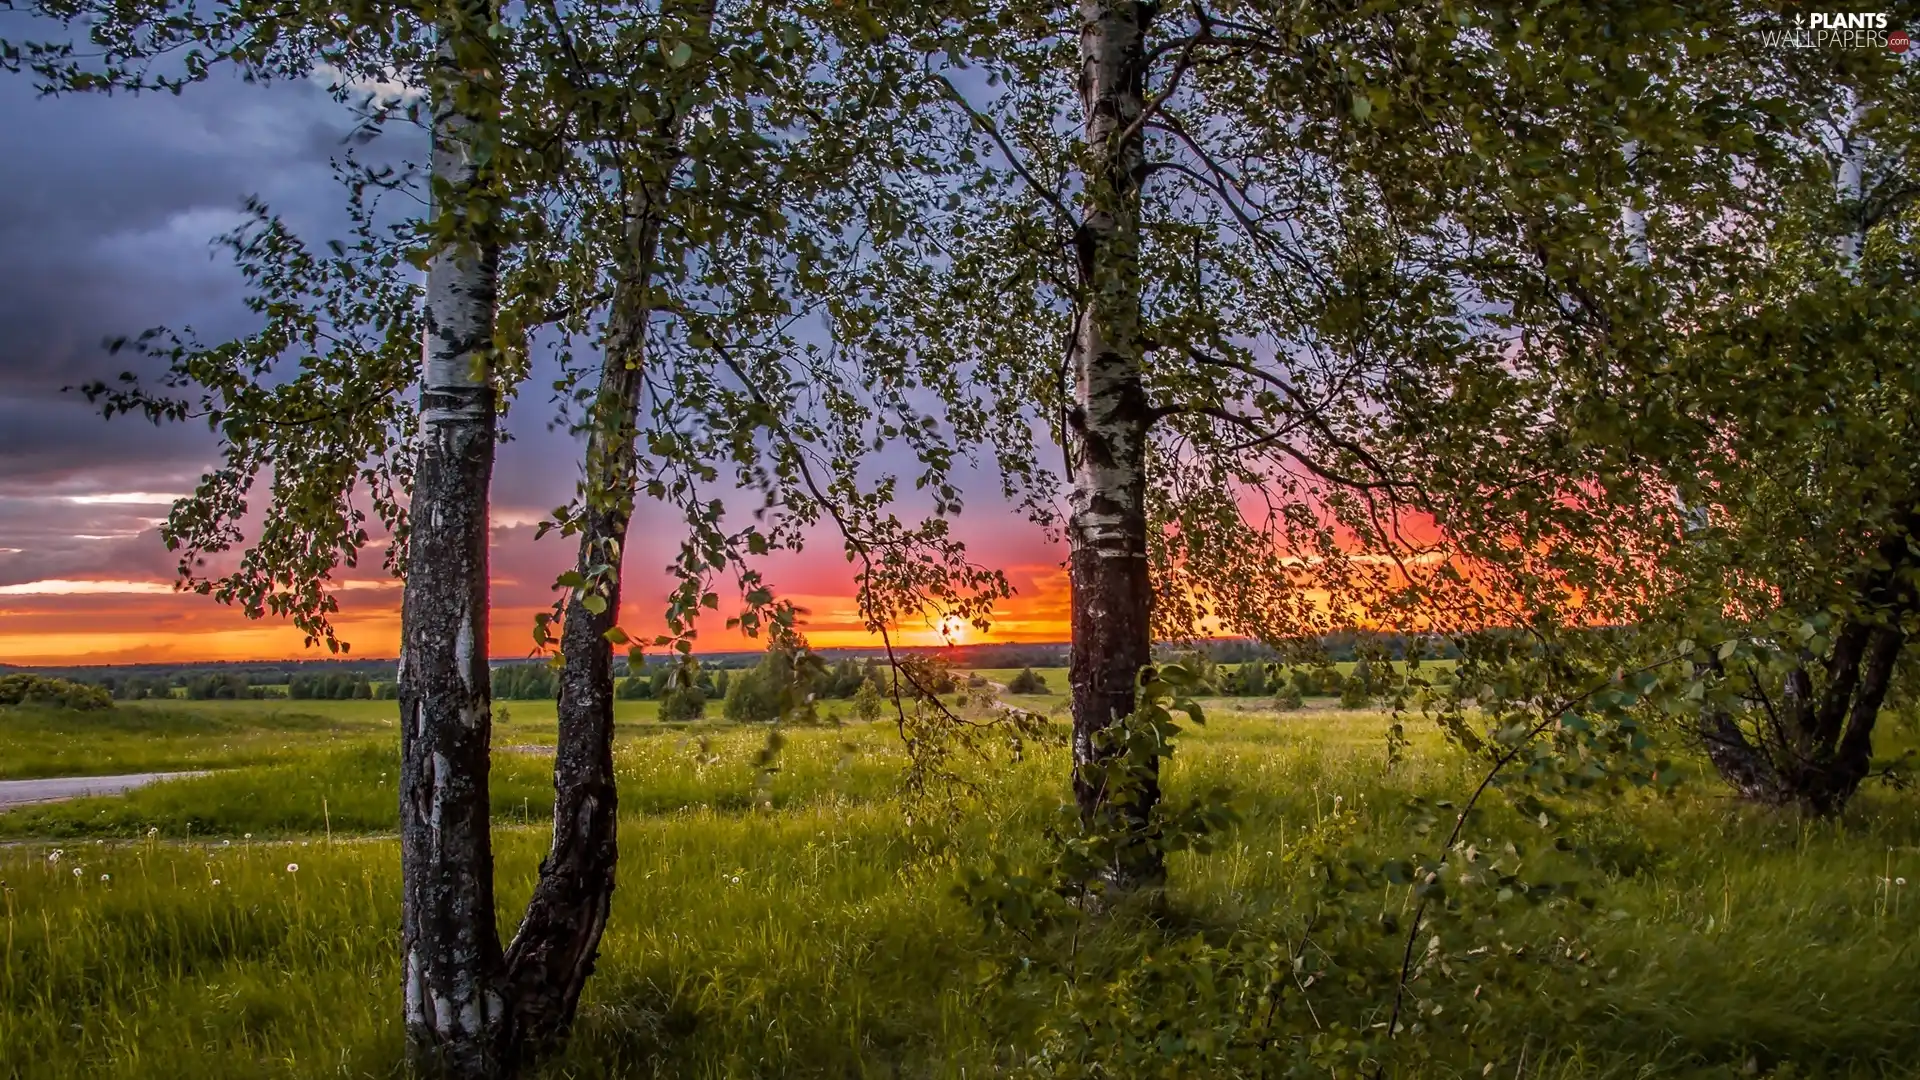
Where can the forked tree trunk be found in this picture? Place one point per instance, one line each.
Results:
(1107, 529)
(456, 1021)
(1814, 748)
(553, 952)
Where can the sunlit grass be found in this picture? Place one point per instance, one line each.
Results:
(820, 939)
(164, 736)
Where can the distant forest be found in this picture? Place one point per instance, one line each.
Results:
(532, 680)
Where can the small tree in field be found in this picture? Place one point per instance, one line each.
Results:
(1354, 695)
(868, 703)
(683, 704)
(1028, 681)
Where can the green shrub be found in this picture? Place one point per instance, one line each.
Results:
(683, 704)
(751, 700)
(1353, 695)
(58, 693)
(868, 703)
(1028, 681)
(1289, 698)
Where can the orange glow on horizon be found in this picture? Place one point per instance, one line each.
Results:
(76, 623)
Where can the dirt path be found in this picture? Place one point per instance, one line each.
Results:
(25, 792)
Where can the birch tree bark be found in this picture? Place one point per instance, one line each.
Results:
(553, 952)
(1111, 614)
(455, 1020)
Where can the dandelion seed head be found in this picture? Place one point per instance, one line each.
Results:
(106, 877)
(54, 855)
(293, 867)
(216, 881)
(76, 870)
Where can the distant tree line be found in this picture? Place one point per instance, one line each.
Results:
(1371, 680)
(25, 689)
(338, 686)
(1341, 648)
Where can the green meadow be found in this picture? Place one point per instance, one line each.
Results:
(802, 922)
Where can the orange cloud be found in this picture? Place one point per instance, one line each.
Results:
(130, 618)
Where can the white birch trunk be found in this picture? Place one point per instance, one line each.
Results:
(455, 1016)
(1853, 168)
(1633, 220)
(1112, 595)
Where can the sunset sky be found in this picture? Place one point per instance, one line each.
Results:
(106, 210)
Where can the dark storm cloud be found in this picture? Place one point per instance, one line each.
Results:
(107, 208)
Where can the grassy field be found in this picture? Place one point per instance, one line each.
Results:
(160, 736)
(820, 937)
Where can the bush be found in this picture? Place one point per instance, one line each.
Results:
(1353, 695)
(59, 693)
(750, 700)
(1289, 698)
(1248, 680)
(682, 704)
(869, 704)
(1028, 681)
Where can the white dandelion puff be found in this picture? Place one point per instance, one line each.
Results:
(77, 870)
(106, 877)
(216, 881)
(293, 868)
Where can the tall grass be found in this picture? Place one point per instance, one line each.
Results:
(819, 938)
(37, 741)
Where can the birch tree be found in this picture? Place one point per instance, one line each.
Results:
(682, 172)
(456, 1006)
(1194, 302)
(1693, 469)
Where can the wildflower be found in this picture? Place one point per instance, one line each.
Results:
(736, 879)
(54, 855)
(216, 881)
(106, 877)
(293, 868)
(226, 843)
(153, 831)
(247, 836)
(77, 869)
